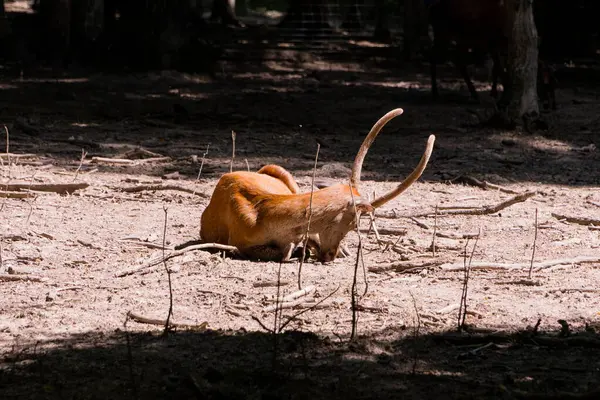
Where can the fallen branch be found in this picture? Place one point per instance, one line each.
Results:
(577, 220)
(161, 322)
(32, 278)
(176, 253)
(142, 188)
(13, 155)
(119, 161)
(16, 195)
(152, 159)
(504, 337)
(565, 290)
(141, 152)
(127, 161)
(60, 188)
(448, 309)
(286, 304)
(469, 180)
(145, 244)
(270, 284)
(401, 266)
(486, 265)
(299, 293)
(233, 312)
(388, 231)
(483, 210)
(419, 223)
(457, 236)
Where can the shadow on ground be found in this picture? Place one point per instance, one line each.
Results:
(239, 365)
(281, 108)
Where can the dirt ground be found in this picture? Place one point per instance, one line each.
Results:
(63, 336)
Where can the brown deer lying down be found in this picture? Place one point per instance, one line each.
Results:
(264, 215)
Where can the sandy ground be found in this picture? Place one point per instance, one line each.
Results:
(64, 336)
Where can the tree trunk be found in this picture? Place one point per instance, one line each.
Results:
(521, 101)
(353, 19)
(4, 25)
(307, 15)
(382, 29)
(241, 8)
(87, 23)
(415, 23)
(56, 21)
(224, 10)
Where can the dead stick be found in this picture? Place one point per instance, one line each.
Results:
(151, 160)
(419, 223)
(16, 195)
(269, 284)
(457, 236)
(168, 271)
(284, 305)
(434, 230)
(176, 253)
(485, 210)
(15, 155)
(534, 242)
(142, 188)
(141, 151)
(7, 277)
(312, 307)
(145, 244)
(577, 220)
(81, 160)
(232, 151)
(483, 265)
(400, 266)
(299, 293)
(60, 188)
(120, 161)
(469, 180)
(161, 322)
(310, 212)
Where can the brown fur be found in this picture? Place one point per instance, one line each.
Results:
(265, 217)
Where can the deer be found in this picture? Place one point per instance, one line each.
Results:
(264, 215)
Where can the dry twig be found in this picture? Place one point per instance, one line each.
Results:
(415, 333)
(577, 220)
(462, 309)
(161, 322)
(142, 188)
(60, 188)
(469, 180)
(269, 283)
(83, 155)
(487, 265)
(485, 210)
(310, 211)
(32, 278)
(170, 312)
(233, 135)
(126, 161)
(534, 243)
(16, 195)
(403, 266)
(176, 253)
